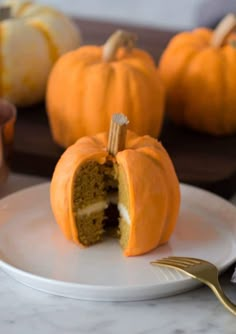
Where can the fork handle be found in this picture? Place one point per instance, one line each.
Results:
(216, 288)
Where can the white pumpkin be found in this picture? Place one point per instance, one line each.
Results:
(32, 39)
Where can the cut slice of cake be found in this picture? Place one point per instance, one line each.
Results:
(132, 194)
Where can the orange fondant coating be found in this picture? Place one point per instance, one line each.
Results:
(84, 91)
(86, 148)
(200, 80)
(153, 188)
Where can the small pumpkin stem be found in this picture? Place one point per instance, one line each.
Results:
(5, 12)
(117, 133)
(223, 30)
(115, 41)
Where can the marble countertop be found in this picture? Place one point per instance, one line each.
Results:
(24, 310)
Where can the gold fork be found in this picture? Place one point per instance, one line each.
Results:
(202, 270)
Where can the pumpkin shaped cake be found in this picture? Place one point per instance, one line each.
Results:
(104, 183)
(88, 85)
(199, 71)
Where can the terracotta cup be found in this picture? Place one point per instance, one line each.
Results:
(7, 125)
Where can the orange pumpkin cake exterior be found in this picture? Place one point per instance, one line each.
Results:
(88, 85)
(138, 184)
(199, 72)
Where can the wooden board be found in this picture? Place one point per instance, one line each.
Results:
(199, 159)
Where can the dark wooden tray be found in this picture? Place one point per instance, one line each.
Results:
(199, 159)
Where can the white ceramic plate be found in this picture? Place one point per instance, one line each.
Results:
(35, 253)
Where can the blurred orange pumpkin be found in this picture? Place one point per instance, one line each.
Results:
(90, 84)
(199, 72)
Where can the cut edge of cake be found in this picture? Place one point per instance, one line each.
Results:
(101, 202)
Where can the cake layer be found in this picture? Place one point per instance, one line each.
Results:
(90, 228)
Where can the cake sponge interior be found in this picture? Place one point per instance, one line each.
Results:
(100, 203)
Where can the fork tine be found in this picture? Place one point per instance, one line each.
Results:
(178, 262)
(189, 260)
(184, 260)
(170, 263)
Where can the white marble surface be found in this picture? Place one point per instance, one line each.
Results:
(25, 311)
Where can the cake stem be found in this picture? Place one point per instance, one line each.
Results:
(223, 30)
(120, 38)
(117, 133)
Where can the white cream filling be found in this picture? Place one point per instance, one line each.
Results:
(95, 207)
(102, 205)
(124, 213)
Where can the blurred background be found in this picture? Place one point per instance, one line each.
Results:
(167, 14)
